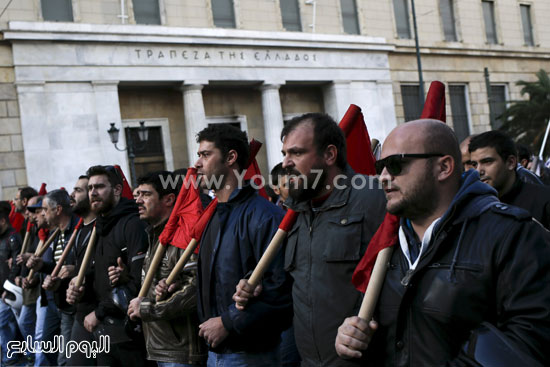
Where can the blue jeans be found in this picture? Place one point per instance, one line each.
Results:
(173, 364)
(8, 331)
(66, 326)
(47, 326)
(27, 320)
(266, 359)
(289, 353)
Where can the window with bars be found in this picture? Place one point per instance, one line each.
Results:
(448, 20)
(223, 13)
(290, 13)
(459, 110)
(149, 156)
(146, 11)
(498, 104)
(527, 26)
(410, 94)
(401, 14)
(57, 10)
(489, 20)
(349, 16)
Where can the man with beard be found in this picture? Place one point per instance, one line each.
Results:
(121, 244)
(468, 281)
(339, 212)
(80, 204)
(56, 209)
(494, 156)
(170, 327)
(231, 246)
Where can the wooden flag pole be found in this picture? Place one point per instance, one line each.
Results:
(25, 242)
(41, 249)
(267, 257)
(161, 249)
(181, 263)
(66, 250)
(87, 258)
(375, 284)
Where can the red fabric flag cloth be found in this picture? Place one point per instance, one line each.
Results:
(434, 108)
(186, 212)
(387, 233)
(16, 219)
(288, 220)
(43, 234)
(126, 190)
(253, 170)
(42, 190)
(359, 152)
(201, 224)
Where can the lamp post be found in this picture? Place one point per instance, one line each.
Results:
(418, 61)
(143, 135)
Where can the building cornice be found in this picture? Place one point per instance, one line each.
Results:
(79, 32)
(474, 51)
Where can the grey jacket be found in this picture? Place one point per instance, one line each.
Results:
(170, 326)
(323, 249)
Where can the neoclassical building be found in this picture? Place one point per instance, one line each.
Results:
(70, 68)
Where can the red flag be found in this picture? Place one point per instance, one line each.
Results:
(42, 190)
(253, 169)
(43, 234)
(434, 108)
(200, 225)
(126, 190)
(387, 233)
(359, 151)
(16, 219)
(186, 212)
(288, 220)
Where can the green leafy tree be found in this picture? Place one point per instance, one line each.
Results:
(526, 120)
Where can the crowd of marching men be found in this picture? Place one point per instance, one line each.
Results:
(210, 273)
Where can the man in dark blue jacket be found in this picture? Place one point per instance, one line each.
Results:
(231, 246)
(468, 281)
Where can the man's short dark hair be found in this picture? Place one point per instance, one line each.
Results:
(161, 181)
(325, 132)
(524, 152)
(109, 171)
(5, 209)
(277, 171)
(502, 143)
(27, 192)
(226, 137)
(61, 198)
(83, 177)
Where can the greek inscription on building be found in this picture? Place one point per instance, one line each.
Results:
(198, 56)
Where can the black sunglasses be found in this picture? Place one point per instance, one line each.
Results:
(394, 163)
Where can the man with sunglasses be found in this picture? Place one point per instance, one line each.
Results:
(121, 243)
(467, 282)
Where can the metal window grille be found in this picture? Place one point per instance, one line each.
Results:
(349, 16)
(223, 13)
(291, 15)
(401, 13)
(410, 95)
(459, 110)
(57, 10)
(498, 104)
(146, 11)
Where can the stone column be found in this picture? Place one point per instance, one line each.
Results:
(336, 97)
(195, 117)
(273, 122)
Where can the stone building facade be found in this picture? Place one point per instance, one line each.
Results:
(69, 68)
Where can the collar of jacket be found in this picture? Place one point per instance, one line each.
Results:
(514, 190)
(337, 198)
(124, 207)
(238, 195)
(153, 232)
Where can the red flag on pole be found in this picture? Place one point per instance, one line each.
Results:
(253, 171)
(16, 219)
(42, 190)
(126, 190)
(186, 212)
(359, 152)
(387, 233)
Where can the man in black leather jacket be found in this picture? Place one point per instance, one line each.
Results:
(468, 281)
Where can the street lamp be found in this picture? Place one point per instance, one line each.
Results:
(143, 135)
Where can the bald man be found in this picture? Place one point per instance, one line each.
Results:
(467, 284)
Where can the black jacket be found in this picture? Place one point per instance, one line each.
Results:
(323, 249)
(120, 234)
(88, 302)
(486, 262)
(247, 223)
(10, 246)
(533, 198)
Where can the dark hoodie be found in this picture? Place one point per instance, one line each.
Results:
(486, 262)
(120, 234)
